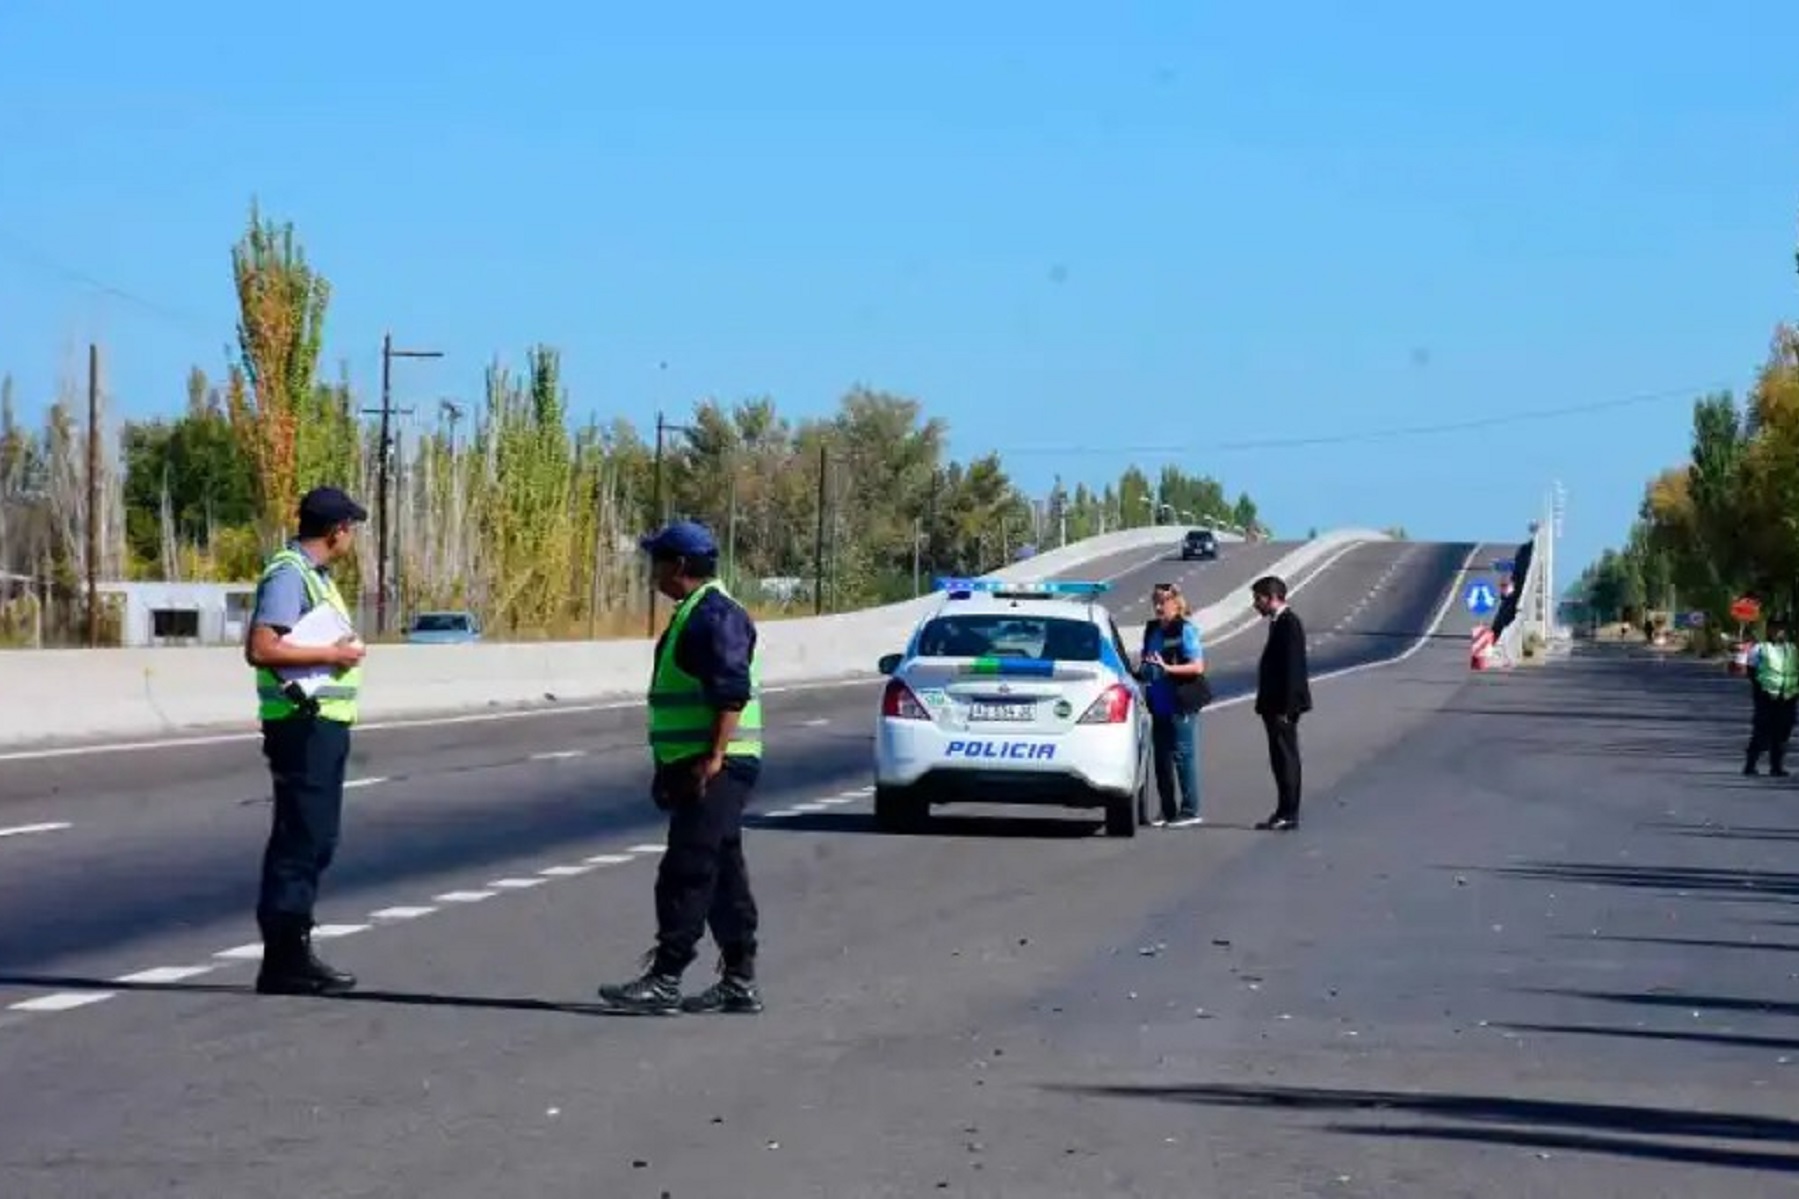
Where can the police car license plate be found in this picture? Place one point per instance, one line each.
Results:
(1002, 712)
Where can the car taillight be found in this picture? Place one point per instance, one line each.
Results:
(1112, 707)
(899, 703)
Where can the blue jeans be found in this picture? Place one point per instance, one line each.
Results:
(1174, 742)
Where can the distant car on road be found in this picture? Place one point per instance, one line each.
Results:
(443, 628)
(1013, 693)
(1199, 543)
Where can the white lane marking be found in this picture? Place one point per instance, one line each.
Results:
(326, 932)
(834, 800)
(517, 884)
(61, 1001)
(27, 830)
(1251, 621)
(401, 913)
(808, 807)
(812, 724)
(780, 814)
(376, 781)
(242, 953)
(558, 755)
(464, 896)
(378, 726)
(1423, 640)
(608, 859)
(647, 848)
(564, 871)
(164, 974)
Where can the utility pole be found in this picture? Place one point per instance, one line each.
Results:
(660, 516)
(383, 465)
(818, 538)
(93, 495)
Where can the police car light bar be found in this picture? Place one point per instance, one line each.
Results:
(1000, 588)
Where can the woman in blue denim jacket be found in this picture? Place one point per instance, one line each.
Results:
(1172, 656)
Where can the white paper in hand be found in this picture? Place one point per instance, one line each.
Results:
(323, 625)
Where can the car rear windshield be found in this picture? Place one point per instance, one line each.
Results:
(440, 623)
(1003, 636)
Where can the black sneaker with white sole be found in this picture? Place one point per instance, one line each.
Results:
(733, 995)
(651, 994)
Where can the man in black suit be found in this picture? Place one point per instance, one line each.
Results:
(1283, 695)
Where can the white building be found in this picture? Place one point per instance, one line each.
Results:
(182, 613)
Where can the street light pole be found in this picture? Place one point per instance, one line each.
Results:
(385, 455)
(660, 517)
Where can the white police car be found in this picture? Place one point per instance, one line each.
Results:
(1013, 693)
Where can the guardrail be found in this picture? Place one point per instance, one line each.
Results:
(55, 695)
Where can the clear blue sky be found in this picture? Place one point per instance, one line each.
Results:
(1071, 229)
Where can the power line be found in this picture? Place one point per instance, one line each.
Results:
(1348, 438)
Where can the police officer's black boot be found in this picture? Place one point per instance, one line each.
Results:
(656, 992)
(290, 967)
(734, 993)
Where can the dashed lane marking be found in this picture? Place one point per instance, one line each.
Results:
(558, 755)
(401, 913)
(61, 1001)
(780, 814)
(242, 953)
(164, 974)
(28, 830)
(374, 782)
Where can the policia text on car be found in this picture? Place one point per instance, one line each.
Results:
(705, 734)
(306, 739)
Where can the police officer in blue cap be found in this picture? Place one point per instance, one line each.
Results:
(305, 737)
(705, 734)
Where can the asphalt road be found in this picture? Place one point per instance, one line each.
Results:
(1420, 993)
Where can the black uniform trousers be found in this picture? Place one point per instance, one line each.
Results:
(307, 757)
(1283, 759)
(702, 879)
(1772, 727)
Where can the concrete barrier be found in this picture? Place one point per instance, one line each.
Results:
(56, 695)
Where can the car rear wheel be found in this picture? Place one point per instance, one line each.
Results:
(898, 811)
(1121, 815)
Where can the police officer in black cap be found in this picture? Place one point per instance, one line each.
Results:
(306, 722)
(705, 733)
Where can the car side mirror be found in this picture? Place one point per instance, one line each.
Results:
(888, 663)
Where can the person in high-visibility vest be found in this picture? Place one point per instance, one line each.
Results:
(1773, 667)
(305, 738)
(705, 736)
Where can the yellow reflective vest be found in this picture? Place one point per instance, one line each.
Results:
(680, 715)
(337, 699)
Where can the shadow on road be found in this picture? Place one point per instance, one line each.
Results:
(1721, 883)
(1618, 1130)
(246, 990)
(1041, 828)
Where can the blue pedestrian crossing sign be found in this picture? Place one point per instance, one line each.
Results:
(1480, 597)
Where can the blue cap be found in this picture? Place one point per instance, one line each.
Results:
(330, 506)
(684, 538)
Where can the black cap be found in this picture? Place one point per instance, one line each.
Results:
(329, 506)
